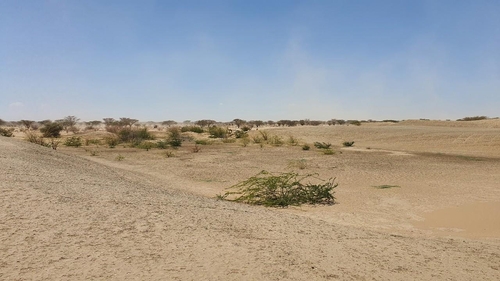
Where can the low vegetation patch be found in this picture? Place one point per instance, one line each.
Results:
(218, 132)
(328, 151)
(348, 143)
(73, 141)
(385, 186)
(7, 132)
(473, 118)
(194, 129)
(322, 145)
(281, 190)
(298, 164)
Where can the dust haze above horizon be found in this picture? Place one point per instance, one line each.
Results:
(266, 60)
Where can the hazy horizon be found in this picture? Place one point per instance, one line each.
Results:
(254, 60)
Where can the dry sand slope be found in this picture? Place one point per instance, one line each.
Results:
(66, 218)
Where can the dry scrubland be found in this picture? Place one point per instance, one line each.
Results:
(125, 213)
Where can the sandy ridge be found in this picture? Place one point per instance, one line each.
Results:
(66, 218)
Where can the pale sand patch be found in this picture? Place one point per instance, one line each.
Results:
(476, 220)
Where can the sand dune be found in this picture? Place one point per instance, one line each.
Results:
(67, 218)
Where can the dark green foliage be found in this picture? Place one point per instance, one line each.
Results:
(281, 190)
(348, 143)
(473, 118)
(73, 141)
(194, 129)
(6, 132)
(354, 122)
(127, 134)
(52, 130)
(322, 145)
(306, 147)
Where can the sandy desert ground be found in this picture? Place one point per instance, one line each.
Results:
(68, 215)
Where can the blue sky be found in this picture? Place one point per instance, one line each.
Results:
(268, 60)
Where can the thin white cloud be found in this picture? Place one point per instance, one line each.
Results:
(16, 104)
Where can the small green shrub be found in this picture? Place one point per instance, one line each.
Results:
(112, 142)
(293, 140)
(275, 140)
(92, 141)
(322, 145)
(298, 164)
(120, 157)
(348, 143)
(218, 132)
(146, 145)
(281, 190)
(174, 137)
(136, 136)
(245, 142)
(52, 130)
(202, 142)
(7, 132)
(35, 138)
(306, 147)
(239, 134)
(73, 141)
(169, 154)
(265, 135)
(328, 152)
(194, 129)
(162, 144)
(257, 139)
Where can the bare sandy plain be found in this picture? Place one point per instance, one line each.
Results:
(67, 215)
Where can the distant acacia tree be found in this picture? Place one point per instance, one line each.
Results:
(68, 123)
(168, 123)
(205, 122)
(109, 121)
(45, 122)
(256, 123)
(92, 124)
(239, 122)
(28, 124)
(128, 121)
